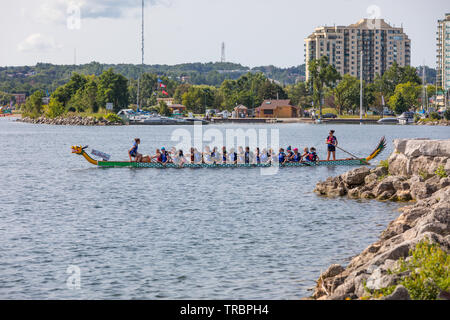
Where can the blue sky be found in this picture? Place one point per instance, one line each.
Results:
(256, 32)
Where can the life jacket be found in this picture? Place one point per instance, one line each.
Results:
(233, 156)
(224, 157)
(296, 157)
(134, 149)
(247, 157)
(164, 156)
(281, 157)
(311, 156)
(331, 140)
(192, 158)
(264, 157)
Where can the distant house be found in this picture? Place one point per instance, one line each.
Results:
(168, 101)
(277, 109)
(20, 98)
(241, 111)
(177, 108)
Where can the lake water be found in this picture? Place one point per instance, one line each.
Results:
(175, 234)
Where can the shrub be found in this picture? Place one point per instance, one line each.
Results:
(440, 172)
(384, 164)
(429, 269)
(425, 175)
(428, 273)
(114, 118)
(435, 116)
(54, 109)
(447, 114)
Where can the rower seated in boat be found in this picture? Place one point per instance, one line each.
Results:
(133, 152)
(233, 156)
(179, 158)
(248, 156)
(282, 156)
(296, 156)
(224, 155)
(312, 155)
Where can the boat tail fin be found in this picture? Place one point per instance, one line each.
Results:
(381, 146)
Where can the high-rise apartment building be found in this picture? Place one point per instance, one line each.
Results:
(381, 44)
(443, 53)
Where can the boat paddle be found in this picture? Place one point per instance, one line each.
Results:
(355, 157)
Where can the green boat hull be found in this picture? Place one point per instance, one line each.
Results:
(349, 162)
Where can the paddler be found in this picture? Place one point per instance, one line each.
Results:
(332, 144)
(133, 152)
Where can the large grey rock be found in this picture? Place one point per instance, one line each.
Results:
(355, 177)
(400, 293)
(422, 190)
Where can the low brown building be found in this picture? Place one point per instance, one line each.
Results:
(277, 109)
(241, 111)
(177, 108)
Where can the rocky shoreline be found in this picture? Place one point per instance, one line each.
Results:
(70, 121)
(441, 122)
(417, 172)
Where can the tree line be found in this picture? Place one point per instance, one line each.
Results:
(400, 87)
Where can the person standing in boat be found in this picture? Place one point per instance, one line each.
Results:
(332, 144)
(133, 152)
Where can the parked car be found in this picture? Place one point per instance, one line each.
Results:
(329, 116)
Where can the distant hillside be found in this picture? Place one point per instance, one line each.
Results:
(46, 76)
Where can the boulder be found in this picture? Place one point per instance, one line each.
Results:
(422, 190)
(355, 177)
(332, 271)
(385, 186)
(400, 293)
(380, 171)
(371, 178)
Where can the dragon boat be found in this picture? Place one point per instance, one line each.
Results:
(126, 164)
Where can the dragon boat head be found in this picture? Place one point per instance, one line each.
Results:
(78, 149)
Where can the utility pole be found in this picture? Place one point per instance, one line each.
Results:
(361, 87)
(142, 61)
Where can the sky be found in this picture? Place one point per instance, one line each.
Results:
(255, 32)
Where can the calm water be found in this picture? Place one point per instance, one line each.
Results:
(174, 234)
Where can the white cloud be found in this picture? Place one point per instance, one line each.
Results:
(38, 43)
(59, 10)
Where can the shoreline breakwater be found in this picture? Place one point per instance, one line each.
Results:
(416, 173)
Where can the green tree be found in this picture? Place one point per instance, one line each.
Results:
(199, 98)
(322, 74)
(33, 105)
(410, 93)
(398, 103)
(346, 93)
(164, 109)
(54, 109)
(113, 87)
(299, 94)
